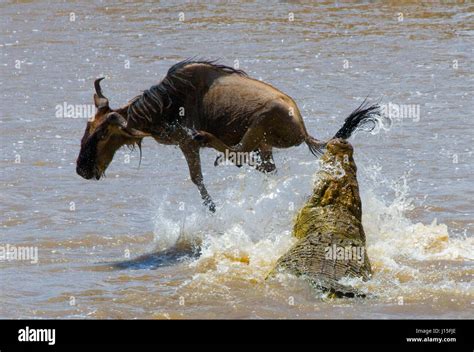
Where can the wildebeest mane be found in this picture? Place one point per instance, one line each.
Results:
(155, 100)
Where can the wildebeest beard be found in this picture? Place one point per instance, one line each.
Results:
(86, 162)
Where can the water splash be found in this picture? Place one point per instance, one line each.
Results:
(252, 229)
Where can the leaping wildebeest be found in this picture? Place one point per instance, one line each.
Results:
(203, 104)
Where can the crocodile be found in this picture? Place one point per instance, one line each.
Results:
(331, 242)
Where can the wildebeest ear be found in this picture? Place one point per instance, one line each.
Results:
(99, 100)
(115, 119)
(100, 103)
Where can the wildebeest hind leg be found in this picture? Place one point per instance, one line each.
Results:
(266, 164)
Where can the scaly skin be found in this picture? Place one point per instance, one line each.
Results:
(331, 217)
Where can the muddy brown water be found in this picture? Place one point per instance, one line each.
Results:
(108, 249)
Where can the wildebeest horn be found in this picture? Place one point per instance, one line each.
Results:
(99, 99)
(98, 90)
(116, 119)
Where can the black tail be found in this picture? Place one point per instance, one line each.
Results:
(365, 114)
(361, 116)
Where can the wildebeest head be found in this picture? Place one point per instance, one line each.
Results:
(104, 134)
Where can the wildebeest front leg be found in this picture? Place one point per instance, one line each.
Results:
(194, 163)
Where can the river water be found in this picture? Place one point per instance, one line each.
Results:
(138, 244)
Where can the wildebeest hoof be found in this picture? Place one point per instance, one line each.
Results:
(210, 205)
(267, 168)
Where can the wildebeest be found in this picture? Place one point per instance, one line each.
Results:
(203, 104)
